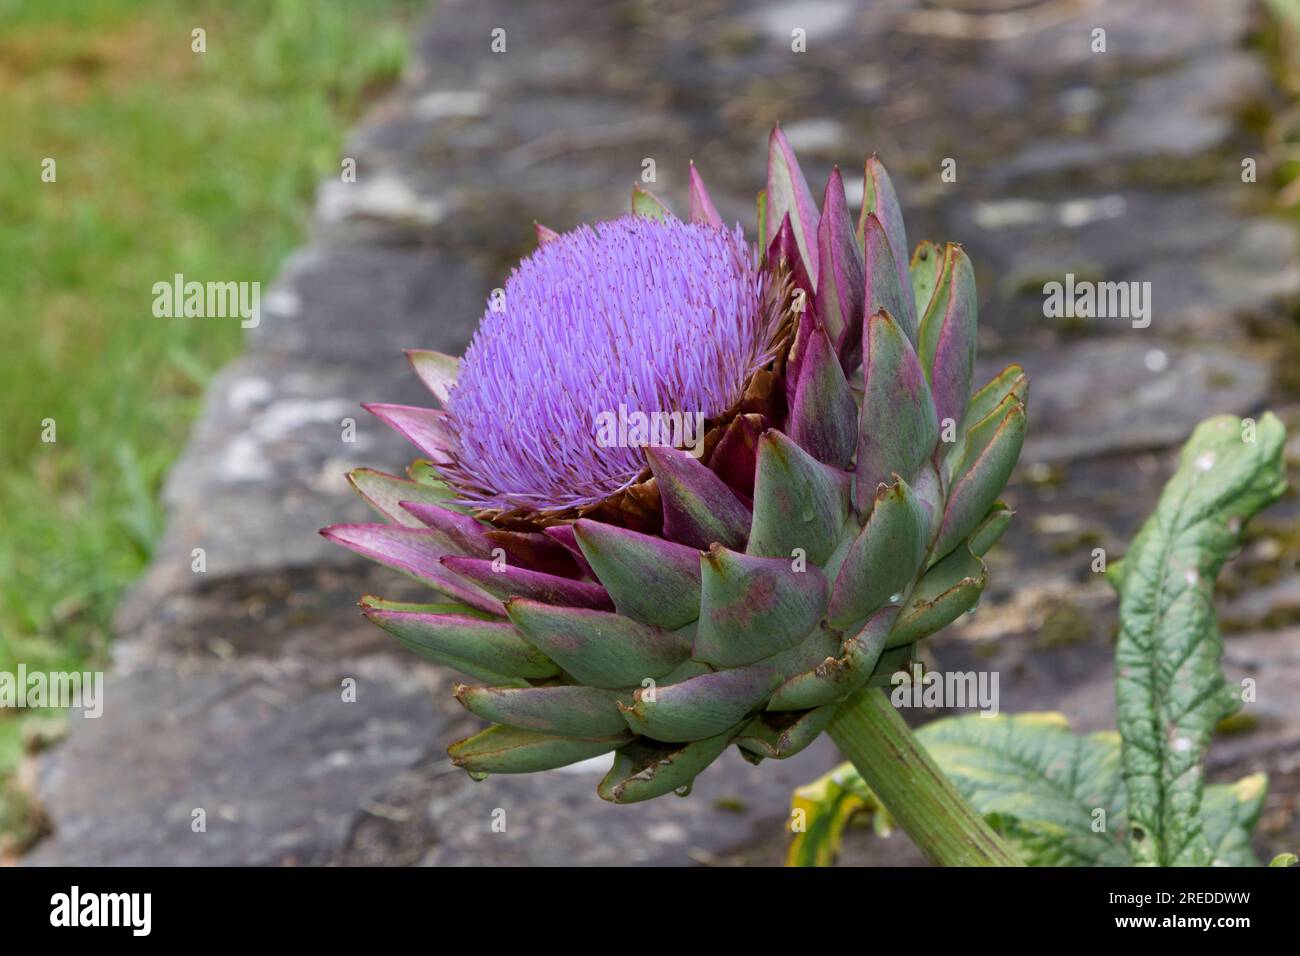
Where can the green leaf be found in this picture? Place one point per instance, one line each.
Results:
(1284, 859)
(1170, 689)
(1055, 796)
(819, 812)
(1037, 784)
(1229, 813)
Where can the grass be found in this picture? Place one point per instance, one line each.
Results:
(167, 160)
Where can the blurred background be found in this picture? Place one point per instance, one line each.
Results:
(1111, 139)
(165, 161)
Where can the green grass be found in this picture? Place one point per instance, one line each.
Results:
(168, 161)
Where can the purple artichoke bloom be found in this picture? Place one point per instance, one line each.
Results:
(640, 314)
(629, 596)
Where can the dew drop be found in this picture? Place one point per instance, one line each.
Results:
(684, 790)
(478, 776)
(896, 597)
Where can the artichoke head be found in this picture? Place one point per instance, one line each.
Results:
(837, 515)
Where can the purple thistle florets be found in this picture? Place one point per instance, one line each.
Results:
(637, 314)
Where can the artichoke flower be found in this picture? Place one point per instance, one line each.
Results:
(816, 501)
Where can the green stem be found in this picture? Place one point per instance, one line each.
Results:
(870, 732)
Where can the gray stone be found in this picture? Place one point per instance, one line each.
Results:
(1115, 395)
(557, 819)
(278, 763)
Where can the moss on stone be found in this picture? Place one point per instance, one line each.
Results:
(1066, 625)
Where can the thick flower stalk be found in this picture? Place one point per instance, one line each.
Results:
(684, 494)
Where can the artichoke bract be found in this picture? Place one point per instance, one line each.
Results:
(686, 492)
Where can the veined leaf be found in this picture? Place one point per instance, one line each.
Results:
(1170, 689)
(1037, 784)
(1057, 797)
(1229, 813)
